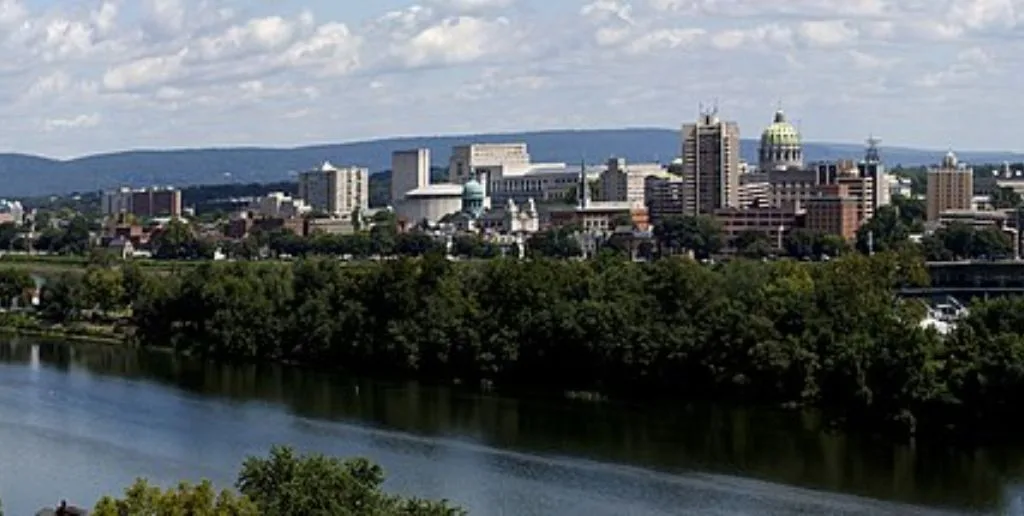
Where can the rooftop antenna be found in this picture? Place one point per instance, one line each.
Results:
(872, 155)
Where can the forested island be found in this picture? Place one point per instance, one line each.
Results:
(830, 335)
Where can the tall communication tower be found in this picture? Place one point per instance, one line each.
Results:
(872, 155)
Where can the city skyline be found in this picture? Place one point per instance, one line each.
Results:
(96, 76)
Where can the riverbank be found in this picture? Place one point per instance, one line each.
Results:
(30, 325)
(54, 265)
(171, 418)
(833, 336)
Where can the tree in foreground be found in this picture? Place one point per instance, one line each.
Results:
(143, 499)
(286, 484)
(283, 484)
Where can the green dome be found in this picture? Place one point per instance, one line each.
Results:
(473, 191)
(780, 133)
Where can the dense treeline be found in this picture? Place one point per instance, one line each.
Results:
(831, 334)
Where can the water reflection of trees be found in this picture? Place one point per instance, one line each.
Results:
(772, 445)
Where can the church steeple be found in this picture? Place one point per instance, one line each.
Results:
(583, 193)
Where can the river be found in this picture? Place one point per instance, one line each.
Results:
(78, 421)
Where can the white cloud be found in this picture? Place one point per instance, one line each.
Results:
(866, 61)
(665, 39)
(260, 69)
(456, 40)
(77, 122)
(827, 33)
(472, 6)
(144, 72)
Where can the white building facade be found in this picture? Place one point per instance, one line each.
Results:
(336, 191)
(279, 205)
(413, 197)
(410, 169)
(430, 203)
(466, 159)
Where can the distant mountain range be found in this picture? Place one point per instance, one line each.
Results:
(25, 175)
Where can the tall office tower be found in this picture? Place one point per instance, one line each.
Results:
(336, 191)
(872, 167)
(950, 187)
(711, 165)
(410, 169)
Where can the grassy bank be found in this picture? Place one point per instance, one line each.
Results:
(55, 265)
(27, 324)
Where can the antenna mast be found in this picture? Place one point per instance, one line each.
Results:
(872, 155)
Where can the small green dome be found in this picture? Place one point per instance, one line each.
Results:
(780, 133)
(473, 191)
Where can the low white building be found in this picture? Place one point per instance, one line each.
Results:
(900, 187)
(414, 198)
(430, 203)
(510, 219)
(539, 181)
(11, 211)
(279, 205)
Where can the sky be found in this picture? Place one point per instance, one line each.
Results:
(86, 76)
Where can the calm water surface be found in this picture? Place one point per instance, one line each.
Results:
(78, 422)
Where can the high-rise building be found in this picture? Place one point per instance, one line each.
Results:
(711, 165)
(410, 169)
(467, 159)
(663, 196)
(859, 188)
(116, 202)
(872, 167)
(336, 191)
(950, 187)
(625, 183)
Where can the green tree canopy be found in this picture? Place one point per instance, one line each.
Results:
(63, 298)
(286, 483)
(960, 241)
(753, 244)
(912, 212)
(886, 231)
(103, 288)
(143, 499)
(554, 243)
(701, 234)
(15, 286)
(178, 241)
(283, 484)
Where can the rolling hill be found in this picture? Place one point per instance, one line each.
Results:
(26, 175)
